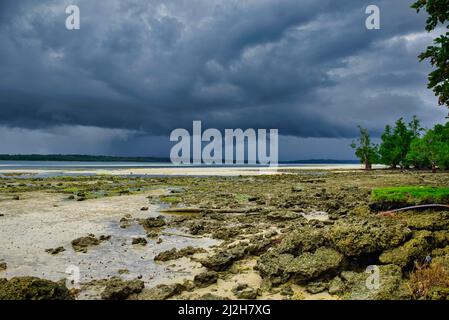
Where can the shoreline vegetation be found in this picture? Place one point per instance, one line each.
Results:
(406, 145)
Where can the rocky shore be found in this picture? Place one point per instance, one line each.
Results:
(298, 235)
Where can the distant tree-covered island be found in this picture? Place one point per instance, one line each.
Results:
(97, 158)
(78, 157)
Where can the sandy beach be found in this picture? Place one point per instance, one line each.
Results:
(181, 171)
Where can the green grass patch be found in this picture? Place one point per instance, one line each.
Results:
(242, 198)
(171, 200)
(70, 190)
(418, 194)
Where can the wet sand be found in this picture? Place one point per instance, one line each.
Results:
(41, 221)
(184, 171)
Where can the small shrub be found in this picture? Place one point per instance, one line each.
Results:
(426, 278)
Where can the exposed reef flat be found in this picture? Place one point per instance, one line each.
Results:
(297, 234)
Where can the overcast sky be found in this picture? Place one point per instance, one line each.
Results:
(137, 69)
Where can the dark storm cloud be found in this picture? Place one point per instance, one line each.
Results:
(307, 67)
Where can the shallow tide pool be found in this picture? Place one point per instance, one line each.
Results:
(42, 221)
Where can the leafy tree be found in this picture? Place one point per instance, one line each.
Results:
(403, 139)
(438, 53)
(415, 127)
(432, 150)
(387, 150)
(396, 142)
(366, 151)
(420, 154)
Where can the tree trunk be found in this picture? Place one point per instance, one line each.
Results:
(368, 165)
(434, 167)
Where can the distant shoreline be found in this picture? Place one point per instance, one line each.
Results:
(165, 171)
(93, 158)
(78, 158)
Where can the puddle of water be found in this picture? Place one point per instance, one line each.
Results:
(24, 238)
(316, 215)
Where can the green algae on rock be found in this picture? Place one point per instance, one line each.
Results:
(205, 279)
(440, 252)
(219, 261)
(283, 215)
(225, 233)
(442, 260)
(225, 257)
(357, 236)
(438, 293)
(418, 247)
(315, 287)
(118, 289)
(54, 251)
(160, 292)
(336, 286)
(82, 244)
(273, 266)
(309, 266)
(244, 291)
(32, 288)
(139, 241)
(174, 253)
(441, 238)
(425, 220)
(303, 239)
(150, 223)
(391, 285)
